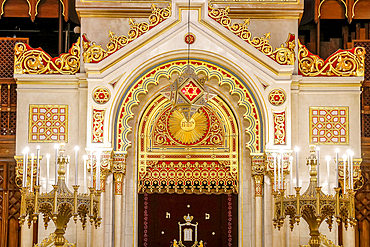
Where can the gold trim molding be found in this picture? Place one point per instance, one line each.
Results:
(94, 53)
(283, 55)
(341, 63)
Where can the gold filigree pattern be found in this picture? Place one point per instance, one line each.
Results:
(341, 63)
(98, 125)
(28, 60)
(49, 242)
(279, 128)
(188, 177)
(283, 55)
(94, 53)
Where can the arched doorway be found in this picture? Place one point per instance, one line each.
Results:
(188, 176)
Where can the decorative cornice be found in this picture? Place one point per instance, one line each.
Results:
(94, 53)
(28, 60)
(341, 63)
(283, 55)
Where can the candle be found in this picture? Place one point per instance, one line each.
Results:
(67, 171)
(56, 146)
(318, 165)
(328, 172)
(47, 171)
(291, 174)
(344, 173)
(85, 170)
(76, 163)
(98, 170)
(282, 170)
(274, 155)
(296, 149)
(337, 167)
(31, 171)
(278, 164)
(25, 158)
(37, 165)
(351, 168)
(92, 170)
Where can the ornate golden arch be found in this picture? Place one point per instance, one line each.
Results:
(199, 156)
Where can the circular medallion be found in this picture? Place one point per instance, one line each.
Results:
(187, 132)
(101, 95)
(189, 38)
(277, 97)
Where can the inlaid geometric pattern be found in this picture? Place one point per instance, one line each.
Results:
(329, 125)
(48, 123)
(101, 95)
(277, 97)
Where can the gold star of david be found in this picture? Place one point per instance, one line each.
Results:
(187, 90)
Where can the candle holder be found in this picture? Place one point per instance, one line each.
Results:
(314, 206)
(60, 204)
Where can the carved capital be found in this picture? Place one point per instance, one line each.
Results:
(258, 171)
(119, 171)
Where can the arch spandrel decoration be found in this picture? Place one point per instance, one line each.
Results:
(176, 156)
(130, 98)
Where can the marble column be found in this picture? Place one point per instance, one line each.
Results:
(258, 170)
(118, 182)
(99, 233)
(26, 235)
(349, 236)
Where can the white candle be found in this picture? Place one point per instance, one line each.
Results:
(31, 171)
(282, 170)
(296, 149)
(25, 158)
(328, 172)
(92, 170)
(278, 164)
(37, 165)
(344, 173)
(56, 146)
(98, 170)
(47, 171)
(291, 174)
(274, 155)
(351, 177)
(85, 170)
(67, 172)
(76, 163)
(337, 167)
(318, 165)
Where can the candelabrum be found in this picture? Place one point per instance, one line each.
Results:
(314, 206)
(60, 204)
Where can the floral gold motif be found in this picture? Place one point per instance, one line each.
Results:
(341, 63)
(279, 128)
(28, 60)
(95, 53)
(283, 55)
(98, 125)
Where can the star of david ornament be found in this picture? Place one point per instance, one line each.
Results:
(188, 93)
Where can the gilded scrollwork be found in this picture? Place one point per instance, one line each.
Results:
(98, 125)
(283, 55)
(94, 53)
(28, 60)
(341, 63)
(279, 128)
